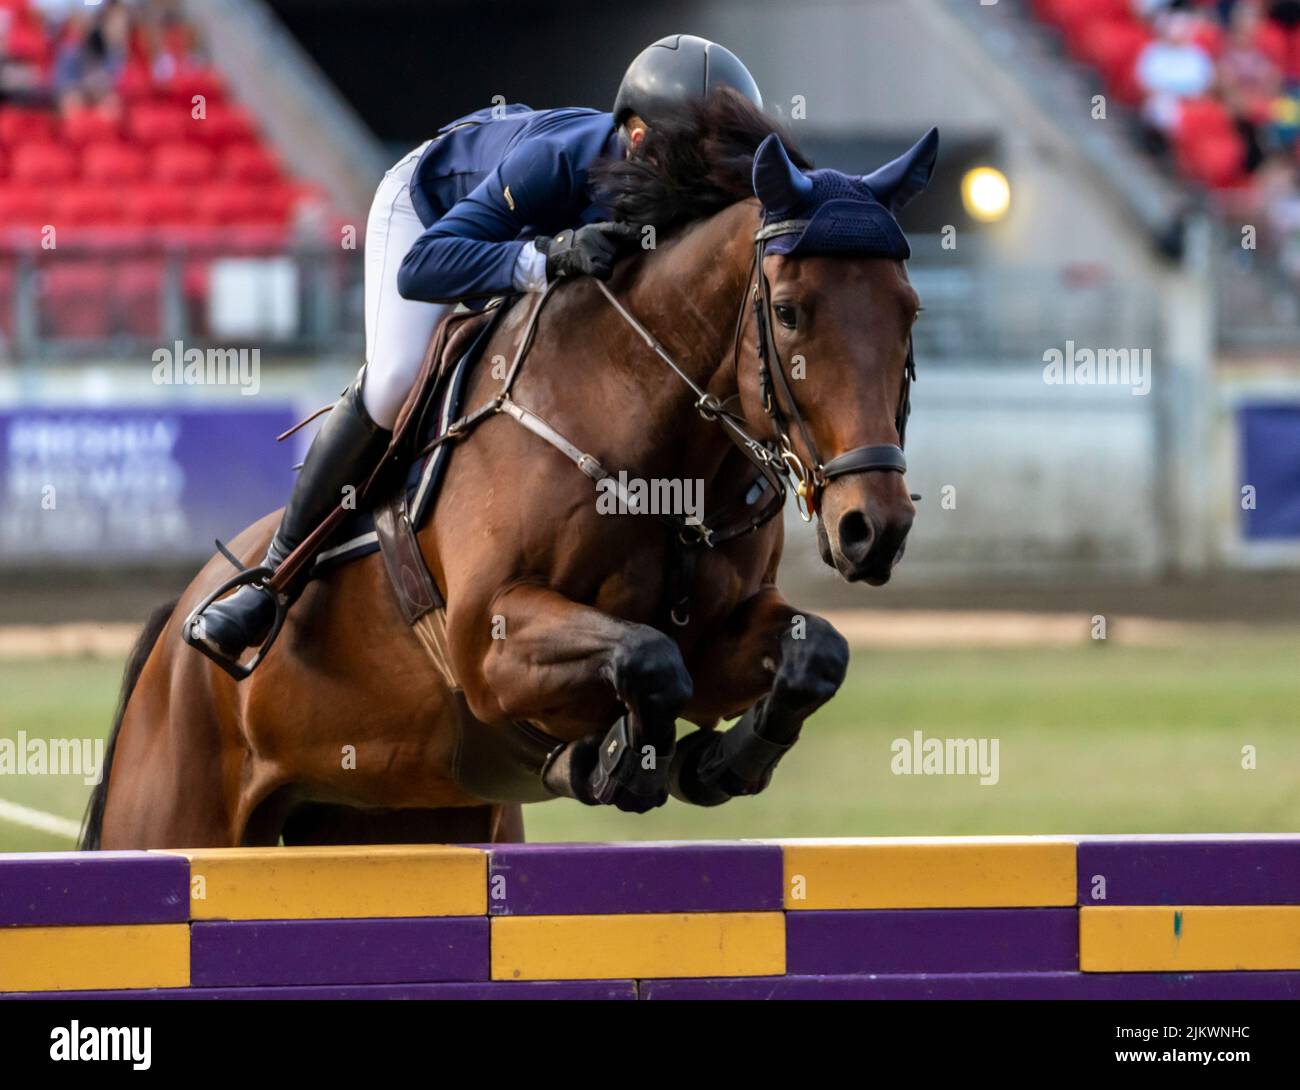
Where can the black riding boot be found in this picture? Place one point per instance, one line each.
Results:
(344, 452)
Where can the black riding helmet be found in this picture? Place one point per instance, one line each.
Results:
(675, 69)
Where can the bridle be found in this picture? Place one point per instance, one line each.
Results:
(774, 388)
(807, 481)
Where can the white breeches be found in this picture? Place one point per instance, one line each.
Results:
(397, 329)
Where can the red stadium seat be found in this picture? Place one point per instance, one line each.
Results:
(114, 164)
(158, 123)
(1215, 159)
(1209, 36)
(1200, 117)
(1113, 46)
(1281, 45)
(1075, 17)
(242, 204)
(136, 196)
(136, 84)
(159, 206)
(226, 125)
(1207, 146)
(249, 163)
(18, 125)
(27, 41)
(89, 127)
(24, 207)
(47, 164)
(257, 239)
(112, 238)
(88, 206)
(183, 164)
(185, 85)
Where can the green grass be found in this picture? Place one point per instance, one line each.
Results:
(1101, 738)
(68, 698)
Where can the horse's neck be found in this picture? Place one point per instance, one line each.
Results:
(688, 295)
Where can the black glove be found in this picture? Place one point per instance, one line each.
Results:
(588, 251)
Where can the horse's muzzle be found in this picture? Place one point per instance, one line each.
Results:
(864, 543)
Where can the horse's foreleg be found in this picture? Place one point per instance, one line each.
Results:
(803, 659)
(555, 660)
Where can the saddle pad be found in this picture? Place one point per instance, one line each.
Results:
(356, 536)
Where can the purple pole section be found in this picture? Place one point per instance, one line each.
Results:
(578, 879)
(1190, 872)
(58, 889)
(366, 951)
(495, 989)
(1271, 985)
(932, 940)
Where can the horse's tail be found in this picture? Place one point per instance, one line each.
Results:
(93, 825)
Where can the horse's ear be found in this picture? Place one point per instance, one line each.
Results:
(778, 183)
(897, 182)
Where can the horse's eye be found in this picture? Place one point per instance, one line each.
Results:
(786, 315)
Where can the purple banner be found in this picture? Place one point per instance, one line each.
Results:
(137, 484)
(1270, 467)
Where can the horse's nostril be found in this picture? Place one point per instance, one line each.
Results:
(856, 535)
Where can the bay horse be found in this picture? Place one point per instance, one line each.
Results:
(780, 298)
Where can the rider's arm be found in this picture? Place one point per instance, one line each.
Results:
(475, 249)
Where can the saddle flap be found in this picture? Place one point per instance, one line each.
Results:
(415, 589)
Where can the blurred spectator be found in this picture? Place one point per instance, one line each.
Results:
(91, 58)
(1172, 67)
(1285, 12)
(173, 45)
(20, 69)
(1218, 83)
(1277, 203)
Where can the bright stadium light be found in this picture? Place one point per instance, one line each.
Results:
(986, 194)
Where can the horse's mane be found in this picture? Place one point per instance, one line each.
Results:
(692, 163)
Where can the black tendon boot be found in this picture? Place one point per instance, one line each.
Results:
(344, 452)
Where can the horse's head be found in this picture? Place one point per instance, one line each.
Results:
(839, 311)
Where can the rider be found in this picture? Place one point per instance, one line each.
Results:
(496, 203)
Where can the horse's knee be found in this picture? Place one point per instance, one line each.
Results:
(647, 672)
(812, 668)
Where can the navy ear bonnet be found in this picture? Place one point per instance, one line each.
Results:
(846, 214)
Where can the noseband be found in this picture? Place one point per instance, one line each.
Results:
(810, 479)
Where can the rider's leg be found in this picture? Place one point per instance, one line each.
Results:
(343, 454)
(356, 432)
(397, 330)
